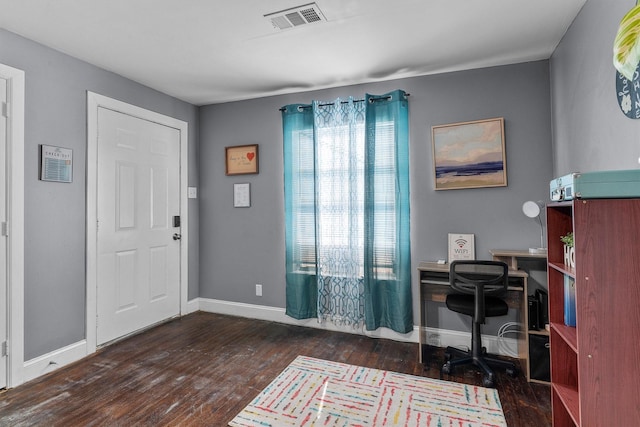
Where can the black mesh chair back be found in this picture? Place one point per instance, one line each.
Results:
(482, 279)
(465, 276)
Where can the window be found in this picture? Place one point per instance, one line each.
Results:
(347, 211)
(340, 171)
(340, 220)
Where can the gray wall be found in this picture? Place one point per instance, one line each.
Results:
(590, 131)
(55, 235)
(242, 247)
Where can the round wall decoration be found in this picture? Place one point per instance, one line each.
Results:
(626, 60)
(628, 94)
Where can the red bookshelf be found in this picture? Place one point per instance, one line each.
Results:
(595, 365)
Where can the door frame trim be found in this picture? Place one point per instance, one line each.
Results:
(15, 219)
(95, 101)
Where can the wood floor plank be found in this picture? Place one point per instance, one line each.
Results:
(204, 368)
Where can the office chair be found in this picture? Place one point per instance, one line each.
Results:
(478, 286)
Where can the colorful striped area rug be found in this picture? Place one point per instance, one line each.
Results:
(314, 392)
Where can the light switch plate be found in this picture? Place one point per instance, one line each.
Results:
(192, 192)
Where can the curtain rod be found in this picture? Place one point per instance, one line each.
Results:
(345, 102)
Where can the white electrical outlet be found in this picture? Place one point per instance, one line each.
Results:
(433, 339)
(258, 290)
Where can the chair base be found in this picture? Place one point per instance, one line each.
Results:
(483, 361)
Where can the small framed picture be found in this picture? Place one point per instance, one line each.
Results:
(461, 247)
(242, 195)
(241, 159)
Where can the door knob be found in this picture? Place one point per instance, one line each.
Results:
(177, 236)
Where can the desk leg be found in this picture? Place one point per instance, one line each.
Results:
(523, 342)
(426, 351)
(422, 357)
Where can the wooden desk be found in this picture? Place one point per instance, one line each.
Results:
(434, 286)
(510, 256)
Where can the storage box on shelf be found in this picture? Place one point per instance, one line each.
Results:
(595, 364)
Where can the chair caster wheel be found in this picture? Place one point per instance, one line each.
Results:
(487, 381)
(511, 372)
(446, 368)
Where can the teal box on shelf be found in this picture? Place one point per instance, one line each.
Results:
(569, 301)
(596, 185)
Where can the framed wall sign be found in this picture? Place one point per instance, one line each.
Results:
(56, 164)
(469, 155)
(241, 159)
(462, 247)
(242, 195)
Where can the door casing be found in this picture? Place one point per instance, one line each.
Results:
(4, 252)
(95, 101)
(15, 222)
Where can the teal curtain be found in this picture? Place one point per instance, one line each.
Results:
(347, 212)
(387, 272)
(299, 192)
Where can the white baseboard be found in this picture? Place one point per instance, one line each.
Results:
(54, 360)
(436, 337)
(275, 314)
(192, 306)
(462, 340)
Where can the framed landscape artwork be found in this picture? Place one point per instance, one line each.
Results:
(469, 154)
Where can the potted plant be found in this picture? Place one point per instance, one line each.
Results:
(569, 252)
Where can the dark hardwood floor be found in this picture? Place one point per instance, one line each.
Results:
(202, 369)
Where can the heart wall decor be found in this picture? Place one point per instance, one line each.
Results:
(242, 159)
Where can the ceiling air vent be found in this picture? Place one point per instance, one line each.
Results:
(294, 17)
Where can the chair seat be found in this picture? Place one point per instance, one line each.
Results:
(465, 304)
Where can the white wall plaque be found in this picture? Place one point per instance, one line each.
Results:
(241, 195)
(57, 164)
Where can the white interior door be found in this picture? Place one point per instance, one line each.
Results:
(4, 300)
(138, 195)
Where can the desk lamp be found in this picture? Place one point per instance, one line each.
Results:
(533, 210)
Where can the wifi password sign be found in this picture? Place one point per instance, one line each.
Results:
(461, 247)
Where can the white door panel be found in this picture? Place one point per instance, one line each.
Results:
(138, 270)
(3, 238)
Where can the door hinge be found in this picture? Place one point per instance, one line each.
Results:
(5, 229)
(4, 348)
(5, 110)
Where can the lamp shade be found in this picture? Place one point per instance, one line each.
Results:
(531, 209)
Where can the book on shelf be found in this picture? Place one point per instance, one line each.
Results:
(569, 300)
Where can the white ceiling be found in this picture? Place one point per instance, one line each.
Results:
(213, 51)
